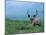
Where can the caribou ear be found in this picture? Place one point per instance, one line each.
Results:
(34, 15)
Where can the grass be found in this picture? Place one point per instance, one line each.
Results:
(21, 26)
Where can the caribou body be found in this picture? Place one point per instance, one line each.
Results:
(36, 21)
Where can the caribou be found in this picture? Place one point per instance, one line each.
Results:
(35, 20)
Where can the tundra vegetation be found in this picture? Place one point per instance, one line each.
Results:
(21, 26)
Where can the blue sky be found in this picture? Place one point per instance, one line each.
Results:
(19, 9)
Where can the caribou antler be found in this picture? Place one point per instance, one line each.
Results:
(35, 14)
(28, 14)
